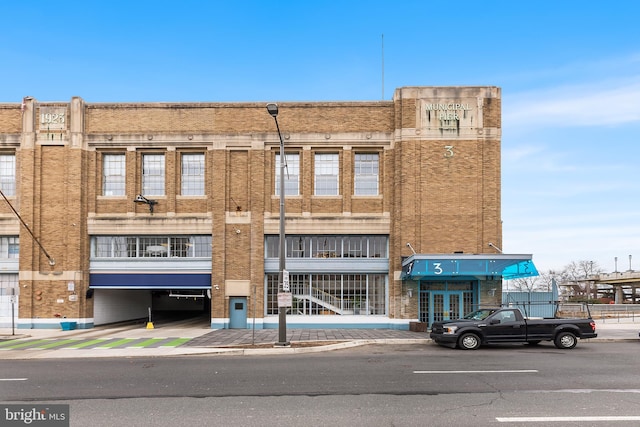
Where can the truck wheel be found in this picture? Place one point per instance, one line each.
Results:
(469, 341)
(565, 340)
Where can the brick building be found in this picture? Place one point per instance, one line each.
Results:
(174, 207)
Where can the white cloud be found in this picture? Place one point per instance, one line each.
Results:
(605, 101)
(555, 240)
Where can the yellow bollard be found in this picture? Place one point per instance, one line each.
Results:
(149, 323)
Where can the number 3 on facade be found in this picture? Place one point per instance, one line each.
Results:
(437, 269)
(448, 150)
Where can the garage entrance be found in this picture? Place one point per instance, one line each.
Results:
(171, 297)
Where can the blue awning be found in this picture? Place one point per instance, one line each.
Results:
(150, 281)
(430, 266)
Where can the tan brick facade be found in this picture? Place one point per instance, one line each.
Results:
(439, 184)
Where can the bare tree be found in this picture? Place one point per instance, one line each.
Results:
(540, 283)
(524, 284)
(576, 279)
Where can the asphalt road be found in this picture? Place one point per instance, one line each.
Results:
(372, 385)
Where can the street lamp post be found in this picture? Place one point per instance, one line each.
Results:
(282, 311)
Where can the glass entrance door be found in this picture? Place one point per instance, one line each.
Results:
(444, 300)
(446, 305)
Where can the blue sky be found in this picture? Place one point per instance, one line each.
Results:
(569, 73)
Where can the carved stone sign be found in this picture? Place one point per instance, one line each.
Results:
(447, 115)
(53, 118)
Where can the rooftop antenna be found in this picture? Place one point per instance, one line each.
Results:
(382, 46)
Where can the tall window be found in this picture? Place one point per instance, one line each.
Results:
(9, 247)
(326, 174)
(153, 175)
(196, 246)
(8, 174)
(291, 174)
(367, 174)
(8, 286)
(355, 294)
(193, 174)
(328, 246)
(113, 175)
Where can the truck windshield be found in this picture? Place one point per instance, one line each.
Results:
(480, 314)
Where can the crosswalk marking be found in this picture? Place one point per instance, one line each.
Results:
(116, 343)
(176, 342)
(93, 343)
(55, 343)
(22, 344)
(86, 343)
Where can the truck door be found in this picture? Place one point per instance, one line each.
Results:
(505, 326)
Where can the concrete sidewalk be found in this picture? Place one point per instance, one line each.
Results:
(199, 339)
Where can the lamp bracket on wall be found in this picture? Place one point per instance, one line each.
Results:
(141, 199)
(491, 245)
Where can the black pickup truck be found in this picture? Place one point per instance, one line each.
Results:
(508, 325)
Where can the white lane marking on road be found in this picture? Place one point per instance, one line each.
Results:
(565, 419)
(587, 390)
(14, 379)
(512, 371)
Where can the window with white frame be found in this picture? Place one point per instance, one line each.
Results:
(291, 174)
(195, 246)
(153, 175)
(192, 174)
(9, 247)
(366, 174)
(326, 174)
(113, 175)
(328, 246)
(361, 294)
(8, 174)
(8, 287)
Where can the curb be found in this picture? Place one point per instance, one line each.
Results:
(231, 351)
(330, 347)
(197, 351)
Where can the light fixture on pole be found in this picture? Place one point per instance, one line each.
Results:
(141, 199)
(52, 261)
(282, 287)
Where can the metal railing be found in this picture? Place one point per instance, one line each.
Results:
(605, 312)
(328, 301)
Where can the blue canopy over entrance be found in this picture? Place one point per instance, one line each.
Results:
(430, 266)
